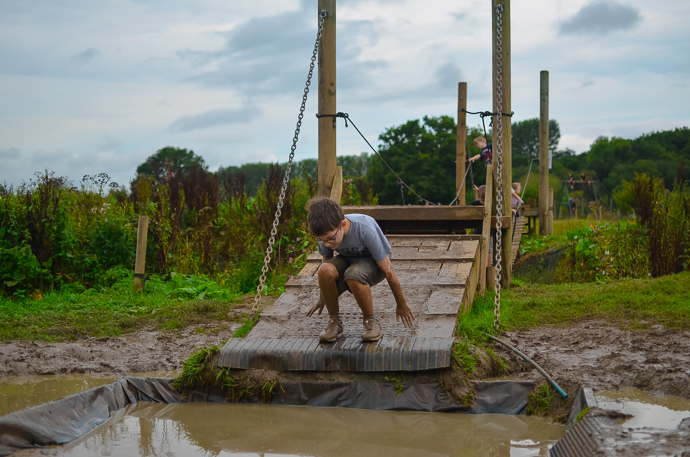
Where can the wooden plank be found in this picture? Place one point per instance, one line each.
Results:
(454, 272)
(417, 213)
(471, 286)
(310, 268)
(445, 301)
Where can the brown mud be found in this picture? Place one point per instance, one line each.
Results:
(591, 353)
(604, 357)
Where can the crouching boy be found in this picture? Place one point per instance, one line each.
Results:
(362, 260)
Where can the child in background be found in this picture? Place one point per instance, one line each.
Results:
(485, 153)
(515, 200)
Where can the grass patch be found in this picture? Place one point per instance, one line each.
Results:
(628, 303)
(539, 402)
(110, 312)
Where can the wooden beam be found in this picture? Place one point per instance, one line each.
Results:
(544, 154)
(486, 230)
(327, 99)
(461, 142)
(337, 188)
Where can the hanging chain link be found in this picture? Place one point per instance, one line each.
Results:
(286, 179)
(499, 162)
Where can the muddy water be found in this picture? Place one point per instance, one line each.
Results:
(20, 392)
(645, 409)
(201, 429)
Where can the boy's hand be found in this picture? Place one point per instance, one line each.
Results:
(405, 313)
(317, 307)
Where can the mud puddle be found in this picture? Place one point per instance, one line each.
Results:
(196, 429)
(21, 392)
(641, 409)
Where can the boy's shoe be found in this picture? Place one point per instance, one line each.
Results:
(332, 332)
(372, 330)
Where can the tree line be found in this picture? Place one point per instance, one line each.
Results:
(422, 154)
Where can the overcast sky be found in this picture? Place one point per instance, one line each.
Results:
(97, 86)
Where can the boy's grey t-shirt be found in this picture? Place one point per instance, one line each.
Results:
(365, 238)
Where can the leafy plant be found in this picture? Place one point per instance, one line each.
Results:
(397, 384)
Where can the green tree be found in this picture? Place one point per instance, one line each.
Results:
(422, 155)
(170, 160)
(525, 140)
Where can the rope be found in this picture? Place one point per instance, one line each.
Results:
(484, 114)
(461, 184)
(401, 183)
(286, 179)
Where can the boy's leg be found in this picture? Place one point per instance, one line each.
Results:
(331, 285)
(360, 276)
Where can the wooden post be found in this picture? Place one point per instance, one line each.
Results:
(461, 142)
(337, 189)
(327, 98)
(140, 262)
(486, 230)
(549, 219)
(544, 156)
(507, 181)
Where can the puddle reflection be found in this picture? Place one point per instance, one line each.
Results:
(206, 429)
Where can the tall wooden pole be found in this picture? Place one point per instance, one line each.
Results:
(327, 97)
(545, 228)
(507, 233)
(461, 141)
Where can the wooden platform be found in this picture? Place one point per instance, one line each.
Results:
(438, 274)
(425, 219)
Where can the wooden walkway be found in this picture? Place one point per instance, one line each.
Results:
(439, 276)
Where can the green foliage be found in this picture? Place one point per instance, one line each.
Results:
(170, 161)
(398, 385)
(582, 414)
(197, 370)
(423, 155)
(539, 402)
(525, 140)
(666, 217)
(464, 357)
(247, 326)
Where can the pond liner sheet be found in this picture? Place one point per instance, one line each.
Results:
(72, 417)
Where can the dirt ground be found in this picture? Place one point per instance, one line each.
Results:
(133, 353)
(591, 354)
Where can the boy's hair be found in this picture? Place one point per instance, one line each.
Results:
(478, 140)
(480, 192)
(324, 215)
(516, 186)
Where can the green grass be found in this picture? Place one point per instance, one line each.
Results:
(109, 312)
(630, 304)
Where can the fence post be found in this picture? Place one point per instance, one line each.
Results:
(140, 262)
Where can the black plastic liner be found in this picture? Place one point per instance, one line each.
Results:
(72, 417)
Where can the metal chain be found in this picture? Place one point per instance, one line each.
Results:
(286, 179)
(499, 162)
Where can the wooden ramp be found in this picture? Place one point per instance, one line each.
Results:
(438, 274)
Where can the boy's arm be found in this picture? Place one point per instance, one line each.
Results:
(402, 311)
(320, 304)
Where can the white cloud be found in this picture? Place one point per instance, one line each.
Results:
(225, 79)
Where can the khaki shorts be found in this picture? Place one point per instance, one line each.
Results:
(361, 269)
